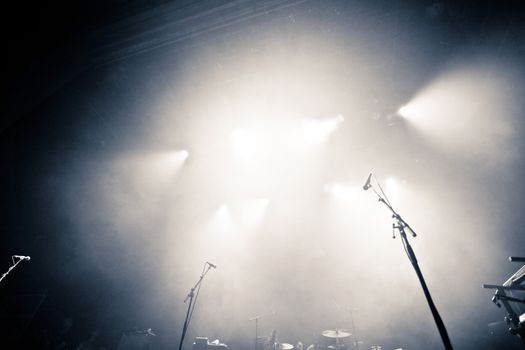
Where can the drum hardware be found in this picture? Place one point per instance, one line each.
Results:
(257, 338)
(271, 342)
(337, 333)
(515, 322)
(202, 343)
(334, 339)
(351, 313)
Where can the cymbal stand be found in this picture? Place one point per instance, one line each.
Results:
(401, 226)
(256, 319)
(351, 313)
(356, 341)
(191, 304)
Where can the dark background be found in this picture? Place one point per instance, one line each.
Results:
(79, 84)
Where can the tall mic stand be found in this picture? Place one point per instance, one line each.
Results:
(12, 267)
(191, 305)
(401, 225)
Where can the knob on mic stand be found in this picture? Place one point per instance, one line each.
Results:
(368, 184)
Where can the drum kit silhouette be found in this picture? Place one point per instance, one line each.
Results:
(331, 339)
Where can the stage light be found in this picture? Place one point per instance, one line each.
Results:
(184, 154)
(176, 158)
(318, 131)
(221, 223)
(406, 111)
(463, 112)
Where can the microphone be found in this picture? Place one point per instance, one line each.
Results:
(367, 183)
(22, 257)
(211, 265)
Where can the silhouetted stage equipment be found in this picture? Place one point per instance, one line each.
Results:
(270, 342)
(263, 343)
(336, 339)
(336, 334)
(510, 295)
(402, 227)
(202, 343)
(193, 294)
(137, 340)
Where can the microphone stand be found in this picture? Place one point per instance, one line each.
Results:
(11, 268)
(401, 225)
(191, 304)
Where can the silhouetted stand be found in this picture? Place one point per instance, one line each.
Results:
(12, 266)
(191, 305)
(400, 225)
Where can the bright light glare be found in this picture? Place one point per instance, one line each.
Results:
(395, 190)
(184, 154)
(280, 141)
(177, 158)
(318, 131)
(166, 165)
(408, 111)
(155, 169)
(392, 184)
(341, 192)
(221, 223)
(463, 111)
(244, 143)
(229, 224)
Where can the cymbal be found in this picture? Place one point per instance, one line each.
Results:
(285, 346)
(338, 333)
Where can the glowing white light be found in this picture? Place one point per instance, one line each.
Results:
(340, 191)
(176, 158)
(407, 111)
(462, 111)
(318, 131)
(222, 211)
(244, 143)
(392, 183)
(221, 222)
(394, 189)
(184, 154)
